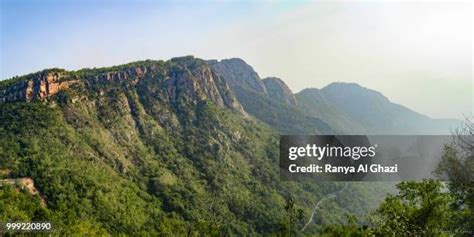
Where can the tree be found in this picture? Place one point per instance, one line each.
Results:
(429, 207)
(419, 209)
(457, 166)
(295, 216)
(351, 228)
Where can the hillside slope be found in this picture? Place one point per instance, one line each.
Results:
(153, 147)
(314, 103)
(183, 146)
(378, 115)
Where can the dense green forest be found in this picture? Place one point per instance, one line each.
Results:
(171, 152)
(89, 190)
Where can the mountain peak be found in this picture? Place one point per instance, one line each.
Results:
(188, 60)
(310, 90)
(235, 60)
(238, 74)
(353, 89)
(277, 89)
(343, 86)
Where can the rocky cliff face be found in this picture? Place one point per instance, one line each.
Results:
(195, 80)
(177, 80)
(238, 74)
(269, 100)
(134, 73)
(38, 86)
(278, 90)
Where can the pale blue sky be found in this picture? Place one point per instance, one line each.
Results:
(418, 54)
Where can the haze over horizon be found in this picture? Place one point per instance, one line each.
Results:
(417, 54)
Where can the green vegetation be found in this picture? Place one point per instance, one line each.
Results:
(162, 157)
(129, 161)
(20, 205)
(100, 174)
(427, 208)
(419, 209)
(287, 119)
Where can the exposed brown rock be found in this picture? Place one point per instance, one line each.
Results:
(183, 78)
(124, 75)
(41, 87)
(199, 84)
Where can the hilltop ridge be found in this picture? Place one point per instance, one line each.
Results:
(232, 83)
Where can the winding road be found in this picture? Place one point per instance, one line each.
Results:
(327, 197)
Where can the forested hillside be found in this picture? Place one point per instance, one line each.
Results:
(183, 146)
(155, 147)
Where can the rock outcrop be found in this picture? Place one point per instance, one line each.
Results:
(179, 79)
(196, 81)
(238, 73)
(39, 86)
(134, 74)
(278, 90)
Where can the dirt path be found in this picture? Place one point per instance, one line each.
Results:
(327, 197)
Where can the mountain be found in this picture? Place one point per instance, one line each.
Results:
(315, 103)
(177, 147)
(150, 147)
(239, 74)
(339, 108)
(278, 90)
(184, 79)
(264, 99)
(378, 115)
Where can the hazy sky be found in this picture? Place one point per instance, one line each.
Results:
(418, 54)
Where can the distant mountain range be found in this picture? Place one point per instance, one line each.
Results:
(178, 147)
(342, 108)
